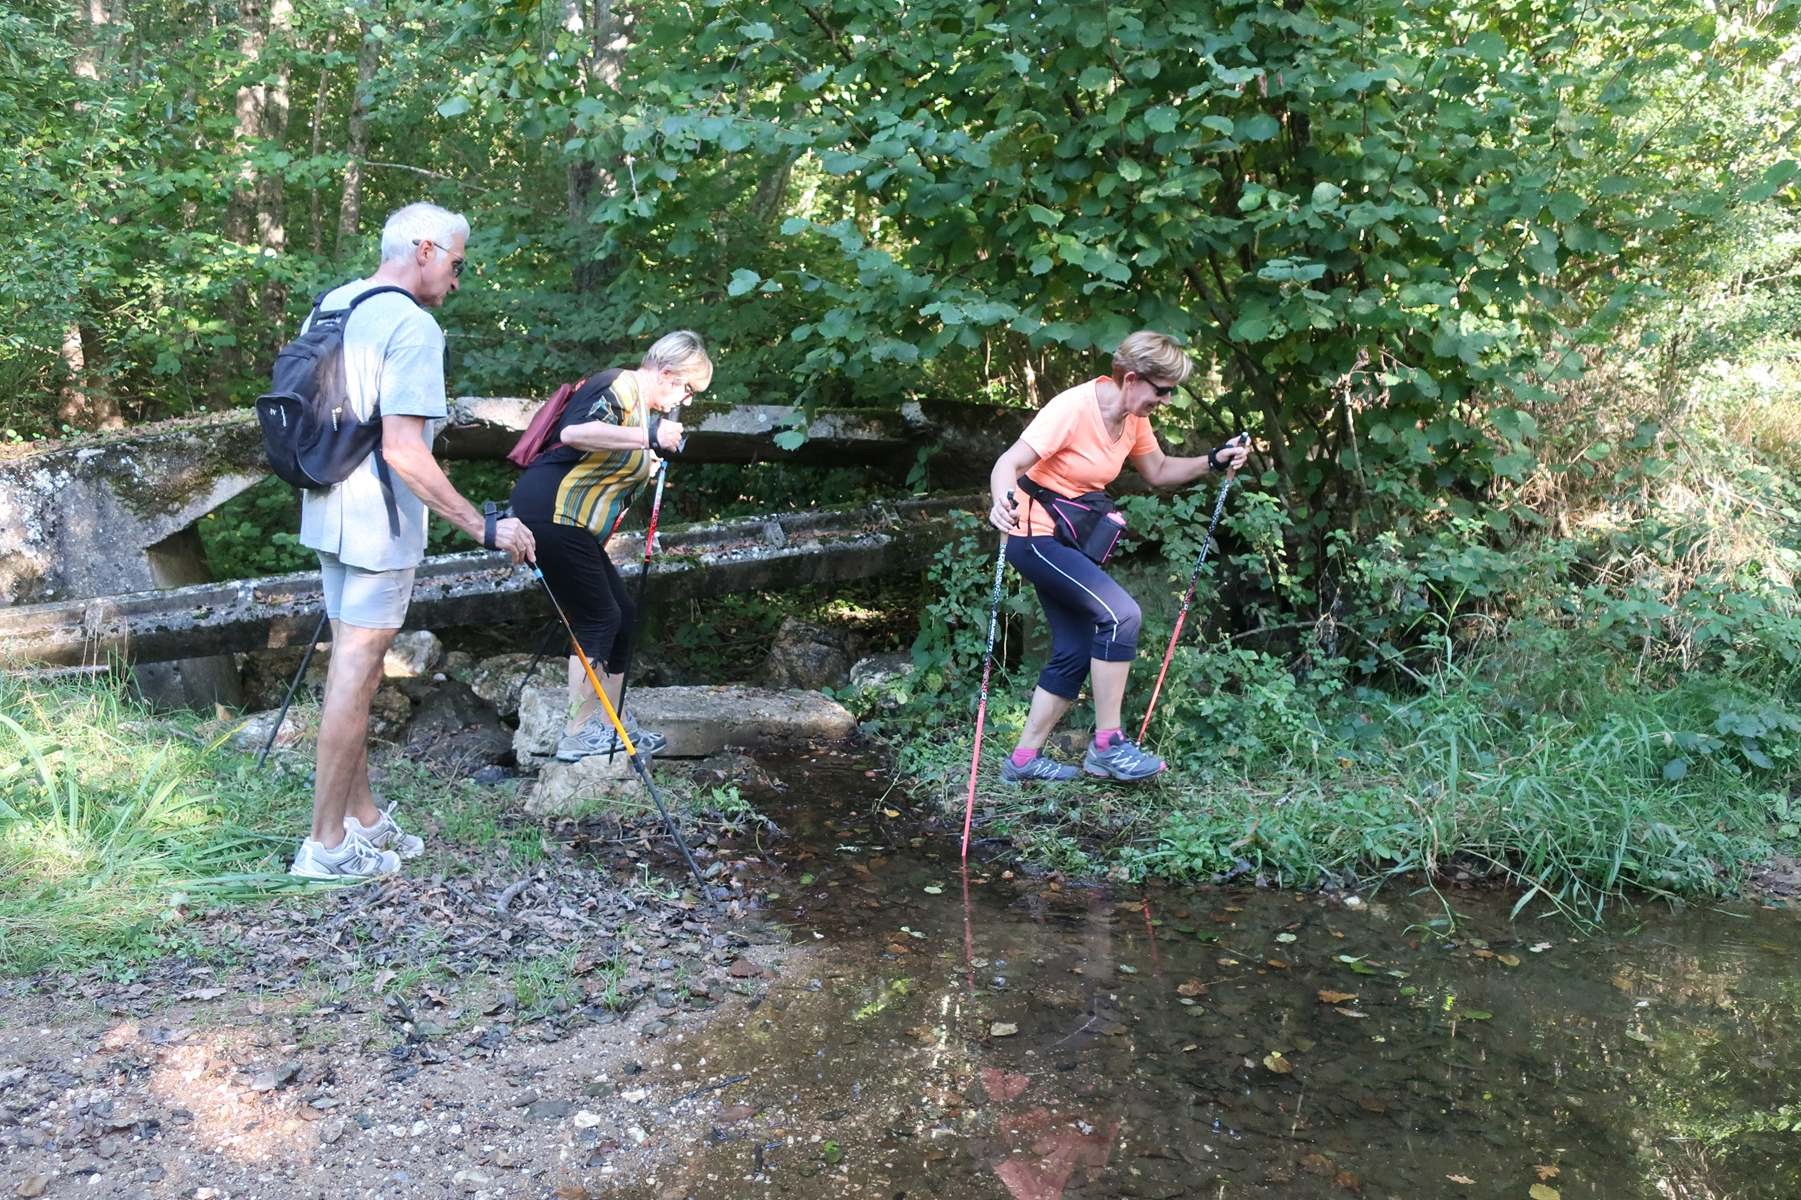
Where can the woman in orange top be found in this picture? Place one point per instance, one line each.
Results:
(1078, 443)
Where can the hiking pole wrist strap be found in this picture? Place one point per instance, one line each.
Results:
(490, 517)
(650, 431)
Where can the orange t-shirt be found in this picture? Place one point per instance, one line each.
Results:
(1075, 452)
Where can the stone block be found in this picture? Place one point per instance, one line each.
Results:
(412, 655)
(698, 721)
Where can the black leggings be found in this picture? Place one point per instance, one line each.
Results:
(587, 585)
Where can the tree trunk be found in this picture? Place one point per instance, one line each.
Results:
(315, 148)
(350, 207)
(271, 189)
(607, 24)
(85, 402)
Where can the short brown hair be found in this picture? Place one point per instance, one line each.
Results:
(1151, 355)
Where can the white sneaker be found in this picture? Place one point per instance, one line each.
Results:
(386, 834)
(353, 858)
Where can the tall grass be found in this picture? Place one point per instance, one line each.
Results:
(115, 823)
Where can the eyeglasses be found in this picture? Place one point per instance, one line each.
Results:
(1162, 393)
(456, 264)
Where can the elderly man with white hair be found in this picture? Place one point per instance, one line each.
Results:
(369, 530)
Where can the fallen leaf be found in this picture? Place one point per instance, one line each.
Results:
(1318, 1164)
(1543, 1191)
(1476, 1014)
(1127, 969)
(1275, 1062)
(1348, 1181)
(1328, 996)
(1547, 1172)
(1285, 938)
(1509, 960)
(890, 813)
(1352, 1012)
(1483, 953)
(1277, 964)
(932, 889)
(1002, 1029)
(1191, 987)
(1465, 1180)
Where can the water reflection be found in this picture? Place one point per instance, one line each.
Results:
(984, 1036)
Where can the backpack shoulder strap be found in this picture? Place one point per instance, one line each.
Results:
(378, 291)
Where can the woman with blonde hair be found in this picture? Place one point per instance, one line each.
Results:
(602, 450)
(1063, 528)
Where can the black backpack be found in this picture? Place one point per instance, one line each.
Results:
(311, 435)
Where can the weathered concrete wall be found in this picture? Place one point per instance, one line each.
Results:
(78, 519)
(768, 553)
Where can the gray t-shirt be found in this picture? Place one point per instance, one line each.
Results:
(394, 352)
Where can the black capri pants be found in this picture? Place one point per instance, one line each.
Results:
(587, 585)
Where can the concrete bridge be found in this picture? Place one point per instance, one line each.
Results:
(100, 555)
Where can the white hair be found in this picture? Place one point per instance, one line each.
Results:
(683, 353)
(418, 223)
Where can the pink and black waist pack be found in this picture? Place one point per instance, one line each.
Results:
(1090, 522)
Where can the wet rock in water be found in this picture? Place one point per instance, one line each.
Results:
(805, 655)
(497, 680)
(457, 731)
(413, 653)
(698, 721)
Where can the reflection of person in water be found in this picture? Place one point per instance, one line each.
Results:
(1045, 1142)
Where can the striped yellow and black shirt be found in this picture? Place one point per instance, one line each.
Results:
(588, 488)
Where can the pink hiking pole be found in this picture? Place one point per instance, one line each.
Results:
(1219, 506)
(975, 755)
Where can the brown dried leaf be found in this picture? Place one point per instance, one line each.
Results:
(1328, 996)
(1465, 1180)
(1275, 1062)
(1546, 1172)
(1191, 987)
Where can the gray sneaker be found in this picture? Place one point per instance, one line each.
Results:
(386, 834)
(1123, 761)
(597, 736)
(353, 858)
(1042, 767)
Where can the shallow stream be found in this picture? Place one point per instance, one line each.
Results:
(999, 1036)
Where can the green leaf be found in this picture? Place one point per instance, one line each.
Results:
(790, 439)
(1775, 178)
(1260, 128)
(1250, 329)
(1487, 45)
(1675, 769)
(756, 31)
(1161, 118)
(1094, 78)
(742, 282)
(1325, 195)
(456, 106)
(1043, 215)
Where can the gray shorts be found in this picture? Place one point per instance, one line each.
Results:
(365, 599)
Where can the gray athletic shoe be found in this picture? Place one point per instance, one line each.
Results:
(1123, 761)
(596, 736)
(386, 834)
(353, 858)
(1041, 768)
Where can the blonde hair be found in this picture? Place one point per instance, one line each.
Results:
(1151, 355)
(681, 352)
(421, 222)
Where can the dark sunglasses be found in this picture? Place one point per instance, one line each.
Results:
(1163, 392)
(456, 264)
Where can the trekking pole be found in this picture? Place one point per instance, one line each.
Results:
(631, 750)
(1219, 506)
(318, 631)
(975, 754)
(650, 541)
